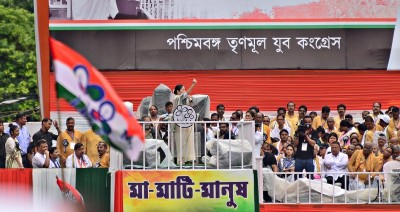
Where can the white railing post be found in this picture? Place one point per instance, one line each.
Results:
(259, 161)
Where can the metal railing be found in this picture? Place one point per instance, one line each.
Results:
(61, 4)
(158, 9)
(295, 188)
(171, 151)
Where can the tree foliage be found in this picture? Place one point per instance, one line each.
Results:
(18, 4)
(17, 62)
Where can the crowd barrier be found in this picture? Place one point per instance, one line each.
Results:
(172, 151)
(296, 188)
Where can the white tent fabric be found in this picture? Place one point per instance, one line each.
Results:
(302, 189)
(161, 95)
(151, 146)
(229, 149)
(116, 159)
(46, 190)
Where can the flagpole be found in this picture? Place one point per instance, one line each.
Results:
(59, 124)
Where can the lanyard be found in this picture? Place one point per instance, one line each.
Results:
(80, 162)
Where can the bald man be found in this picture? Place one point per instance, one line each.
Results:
(364, 161)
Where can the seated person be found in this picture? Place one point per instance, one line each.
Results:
(104, 158)
(224, 132)
(269, 161)
(42, 157)
(364, 161)
(335, 164)
(78, 159)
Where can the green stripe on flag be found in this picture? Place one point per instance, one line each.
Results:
(67, 95)
(64, 93)
(92, 184)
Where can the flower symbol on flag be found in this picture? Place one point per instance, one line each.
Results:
(184, 113)
(100, 108)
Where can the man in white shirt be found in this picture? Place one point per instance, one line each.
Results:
(41, 158)
(275, 132)
(335, 165)
(54, 162)
(78, 159)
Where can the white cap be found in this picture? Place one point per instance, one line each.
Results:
(385, 118)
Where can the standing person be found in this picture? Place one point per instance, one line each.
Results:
(103, 160)
(235, 117)
(42, 156)
(67, 140)
(13, 151)
(371, 129)
(305, 142)
(44, 133)
(322, 119)
(376, 111)
(54, 163)
(182, 97)
(23, 138)
(221, 112)
(341, 109)
(395, 120)
(287, 162)
(302, 112)
(78, 159)
(346, 129)
(291, 116)
(3, 139)
(384, 122)
(288, 125)
(284, 135)
(154, 117)
(168, 107)
(332, 126)
(275, 132)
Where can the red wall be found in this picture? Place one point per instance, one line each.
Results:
(268, 89)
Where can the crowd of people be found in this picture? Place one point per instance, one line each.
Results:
(335, 146)
(72, 149)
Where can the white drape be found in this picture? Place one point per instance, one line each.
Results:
(45, 188)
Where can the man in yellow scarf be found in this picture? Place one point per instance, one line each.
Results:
(364, 161)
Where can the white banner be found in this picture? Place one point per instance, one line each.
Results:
(394, 59)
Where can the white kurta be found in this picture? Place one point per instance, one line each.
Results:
(184, 135)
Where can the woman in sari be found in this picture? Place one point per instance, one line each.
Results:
(186, 135)
(286, 163)
(13, 152)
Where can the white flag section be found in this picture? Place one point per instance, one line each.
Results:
(86, 89)
(394, 59)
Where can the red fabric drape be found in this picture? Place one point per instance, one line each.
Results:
(118, 193)
(16, 185)
(267, 89)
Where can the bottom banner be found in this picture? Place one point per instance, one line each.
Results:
(205, 190)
